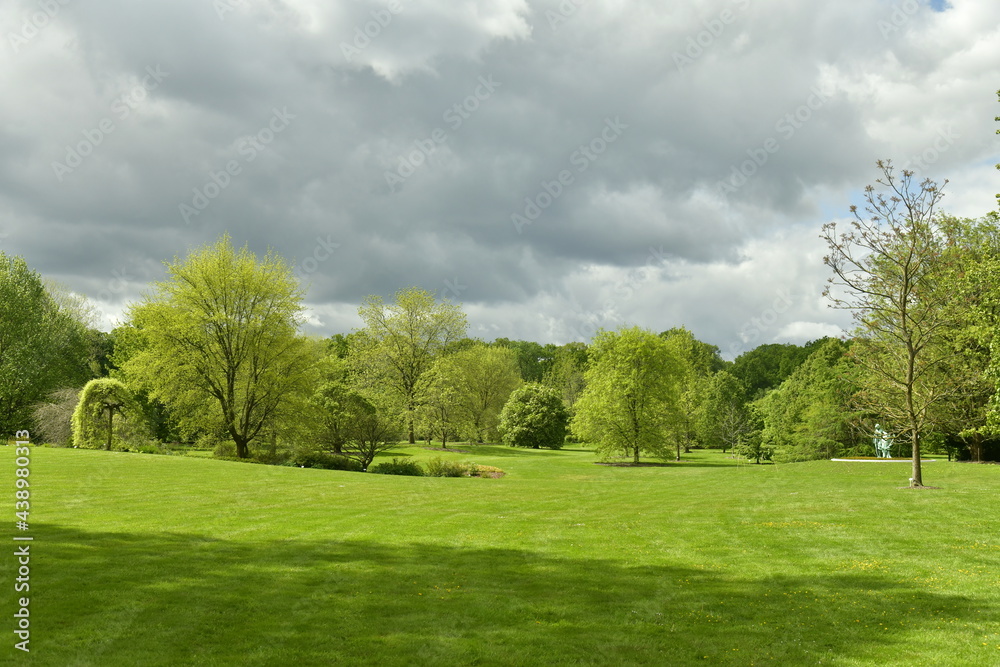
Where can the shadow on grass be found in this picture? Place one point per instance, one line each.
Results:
(165, 599)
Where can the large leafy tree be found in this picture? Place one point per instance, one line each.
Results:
(766, 366)
(565, 375)
(534, 417)
(630, 402)
(889, 269)
(43, 342)
(700, 361)
(973, 411)
(404, 338)
(220, 343)
(810, 415)
(477, 380)
(534, 358)
(724, 420)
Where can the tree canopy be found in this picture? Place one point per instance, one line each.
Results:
(630, 401)
(219, 342)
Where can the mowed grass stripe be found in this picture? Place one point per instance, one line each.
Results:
(144, 559)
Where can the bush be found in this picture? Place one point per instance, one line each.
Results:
(397, 467)
(324, 461)
(438, 468)
(224, 449)
(148, 447)
(279, 457)
(476, 470)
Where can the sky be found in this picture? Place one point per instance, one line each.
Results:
(556, 167)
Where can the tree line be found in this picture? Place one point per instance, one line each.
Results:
(214, 354)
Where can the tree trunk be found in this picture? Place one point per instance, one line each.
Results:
(635, 457)
(111, 425)
(242, 450)
(915, 477)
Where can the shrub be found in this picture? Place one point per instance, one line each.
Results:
(278, 457)
(397, 467)
(324, 461)
(224, 449)
(148, 447)
(439, 468)
(476, 470)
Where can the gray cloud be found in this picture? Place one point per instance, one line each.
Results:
(414, 136)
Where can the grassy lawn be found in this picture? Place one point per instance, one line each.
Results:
(174, 560)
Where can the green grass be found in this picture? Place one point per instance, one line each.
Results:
(175, 560)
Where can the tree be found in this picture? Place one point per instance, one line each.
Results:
(888, 271)
(752, 446)
(220, 343)
(810, 416)
(440, 411)
(405, 338)
(724, 419)
(43, 343)
(54, 416)
(94, 416)
(534, 359)
(630, 402)
(973, 412)
(700, 361)
(766, 366)
(374, 429)
(478, 380)
(534, 416)
(565, 375)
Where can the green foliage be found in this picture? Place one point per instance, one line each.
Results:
(534, 360)
(43, 342)
(698, 362)
(224, 449)
(94, 423)
(436, 467)
(467, 390)
(765, 367)
(324, 460)
(810, 415)
(397, 467)
(633, 386)
(218, 343)
(534, 416)
(723, 419)
(566, 375)
(401, 340)
(892, 269)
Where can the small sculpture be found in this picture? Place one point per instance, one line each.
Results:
(883, 443)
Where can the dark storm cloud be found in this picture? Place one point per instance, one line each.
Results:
(554, 165)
